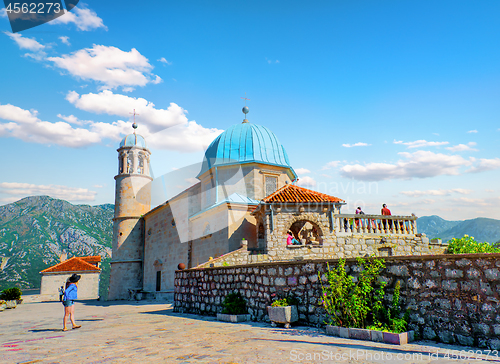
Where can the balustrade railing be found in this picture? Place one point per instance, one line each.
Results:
(347, 224)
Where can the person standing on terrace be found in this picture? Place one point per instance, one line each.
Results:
(385, 211)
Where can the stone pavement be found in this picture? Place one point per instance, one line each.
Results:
(150, 332)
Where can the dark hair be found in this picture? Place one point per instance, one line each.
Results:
(359, 207)
(384, 205)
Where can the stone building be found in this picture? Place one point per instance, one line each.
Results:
(239, 211)
(54, 277)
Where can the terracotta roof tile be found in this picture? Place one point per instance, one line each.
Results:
(292, 193)
(75, 264)
(94, 259)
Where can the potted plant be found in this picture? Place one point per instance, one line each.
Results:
(356, 310)
(12, 296)
(283, 311)
(235, 308)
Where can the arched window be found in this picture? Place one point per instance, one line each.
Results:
(307, 232)
(130, 163)
(140, 167)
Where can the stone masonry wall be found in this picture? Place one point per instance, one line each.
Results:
(453, 298)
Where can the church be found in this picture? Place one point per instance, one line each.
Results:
(239, 212)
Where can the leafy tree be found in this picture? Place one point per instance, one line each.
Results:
(467, 245)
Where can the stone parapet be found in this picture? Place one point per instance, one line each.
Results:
(453, 298)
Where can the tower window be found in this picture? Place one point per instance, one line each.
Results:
(271, 184)
(158, 280)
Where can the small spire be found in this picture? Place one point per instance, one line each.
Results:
(245, 109)
(134, 125)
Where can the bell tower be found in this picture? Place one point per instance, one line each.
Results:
(132, 200)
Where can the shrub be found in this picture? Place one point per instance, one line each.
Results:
(348, 303)
(289, 300)
(467, 245)
(234, 304)
(11, 294)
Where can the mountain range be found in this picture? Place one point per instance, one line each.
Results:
(39, 231)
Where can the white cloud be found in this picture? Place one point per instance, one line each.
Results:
(25, 125)
(420, 143)
(163, 128)
(485, 165)
(330, 165)
(306, 181)
(3, 13)
(355, 145)
(74, 120)
(84, 19)
(108, 65)
(439, 192)
(163, 60)
(472, 131)
(463, 147)
(25, 43)
(65, 40)
(302, 171)
(270, 61)
(420, 164)
(62, 192)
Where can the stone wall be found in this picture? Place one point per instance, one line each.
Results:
(453, 298)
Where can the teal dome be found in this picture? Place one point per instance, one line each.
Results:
(245, 143)
(133, 140)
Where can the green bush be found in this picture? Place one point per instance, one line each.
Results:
(359, 303)
(467, 245)
(234, 304)
(289, 300)
(11, 294)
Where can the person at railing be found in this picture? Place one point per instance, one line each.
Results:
(359, 212)
(385, 211)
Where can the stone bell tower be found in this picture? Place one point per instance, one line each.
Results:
(132, 200)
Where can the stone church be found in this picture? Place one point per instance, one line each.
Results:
(239, 212)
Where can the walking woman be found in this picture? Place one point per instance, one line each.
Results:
(70, 295)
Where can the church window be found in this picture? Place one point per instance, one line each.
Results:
(271, 184)
(261, 232)
(158, 280)
(140, 167)
(130, 163)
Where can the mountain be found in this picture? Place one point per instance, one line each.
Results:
(37, 231)
(482, 229)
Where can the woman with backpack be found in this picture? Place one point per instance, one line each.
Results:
(69, 297)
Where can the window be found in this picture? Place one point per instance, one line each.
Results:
(271, 184)
(158, 281)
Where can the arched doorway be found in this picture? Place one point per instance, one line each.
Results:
(307, 232)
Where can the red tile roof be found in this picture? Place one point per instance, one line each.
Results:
(94, 259)
(292, 193)
(75, 264)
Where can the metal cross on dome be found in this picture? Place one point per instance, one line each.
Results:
(134, 125)
(245, 98)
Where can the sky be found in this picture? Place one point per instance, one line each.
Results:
(392, 102)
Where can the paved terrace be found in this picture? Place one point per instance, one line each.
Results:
(150, 332)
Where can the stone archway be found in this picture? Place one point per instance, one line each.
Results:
(304, 226)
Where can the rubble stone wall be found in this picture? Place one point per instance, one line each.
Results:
(453, 298)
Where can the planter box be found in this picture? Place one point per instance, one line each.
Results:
(232, 318)
(283, 315)
(371, 335)
(11, 304)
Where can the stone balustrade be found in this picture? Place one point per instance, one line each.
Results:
(349, 224)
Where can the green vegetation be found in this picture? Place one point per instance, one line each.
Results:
(359, 303)
(234, 304)
(467, 245)
(289, 300)
(10, 294)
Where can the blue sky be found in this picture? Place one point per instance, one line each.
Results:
(391, 102)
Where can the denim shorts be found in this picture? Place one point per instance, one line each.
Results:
(68, 303)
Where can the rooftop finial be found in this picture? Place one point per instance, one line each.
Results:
(134, 125)
(245, 108)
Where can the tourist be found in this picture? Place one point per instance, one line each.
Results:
(290, 240)
(386, 212)
(359, 212)
(70, 295)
